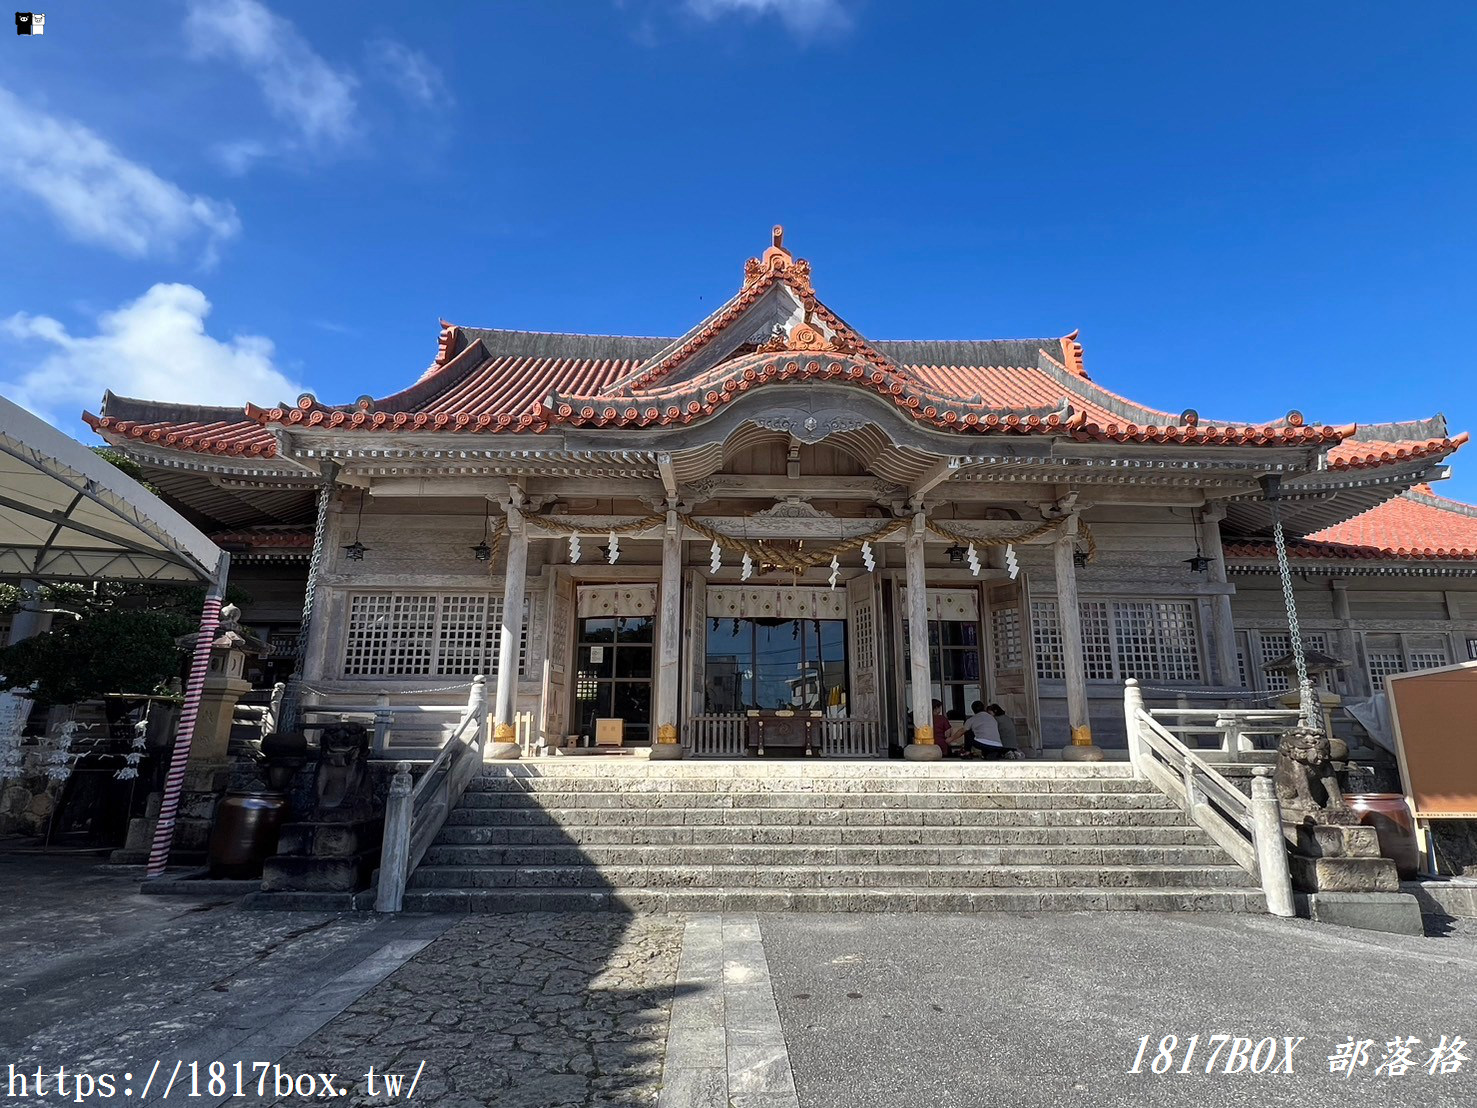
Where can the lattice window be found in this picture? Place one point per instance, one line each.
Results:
(1148, 639)
(367, 636)
(463, 640)
(1006, 626)
(1272, 645)
(1179, 647)
(1382, 663)
(1395, 653)
(1472, 650)
(863, 642)
(1046, 634)
(425, 635)
(1243, 648)
(1427, 659)
(1097, 640)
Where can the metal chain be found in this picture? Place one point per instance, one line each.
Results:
(1312, 711)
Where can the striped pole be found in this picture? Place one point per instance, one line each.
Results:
(210, 617)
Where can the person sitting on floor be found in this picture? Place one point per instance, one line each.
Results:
(1006, 726)
(983, 733)
(941, 728)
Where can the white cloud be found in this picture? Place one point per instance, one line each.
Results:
(155, 347)
(98, 195)
(803, 17)
(410, 71)
(314, 100)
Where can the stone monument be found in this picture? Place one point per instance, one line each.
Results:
(1338, 873)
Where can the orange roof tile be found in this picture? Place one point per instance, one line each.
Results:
(1417, 524)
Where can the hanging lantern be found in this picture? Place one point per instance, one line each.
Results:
(955, 553)
(1200, 563)
(613, 551)
(1012, 566)
(974, 560)
(574, 548)
(482, 552)
(867, 559)
(716, 557)
(835, 570)
(1079, 558)
(356, 550)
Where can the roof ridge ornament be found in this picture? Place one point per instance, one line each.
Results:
(779, 262)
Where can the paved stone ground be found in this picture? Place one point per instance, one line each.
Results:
(522, 1011)
(1006, 1010)
(734, 1011)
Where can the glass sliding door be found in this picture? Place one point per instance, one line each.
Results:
(776, 665)
(613, 671)
(953, 665)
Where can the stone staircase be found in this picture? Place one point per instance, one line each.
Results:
(589, 834)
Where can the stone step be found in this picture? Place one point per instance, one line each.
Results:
(806, 768)
(811, 835)
(826, 877)
(791, 855)
(849, 786)
(809, 801)
(469, 814)
(900, 899)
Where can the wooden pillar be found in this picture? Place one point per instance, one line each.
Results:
(1222, 623)
(504, 733)
(1069, 615)
(669, 641)
(923, 748)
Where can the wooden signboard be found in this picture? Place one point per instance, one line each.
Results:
(1435, 716)
(610, 732)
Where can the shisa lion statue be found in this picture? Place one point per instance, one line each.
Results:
(343, 762)
(1307, 778)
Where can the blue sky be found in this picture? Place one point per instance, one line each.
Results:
(1244, 210)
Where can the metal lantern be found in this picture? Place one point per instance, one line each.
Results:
(956, 553)
(356, 550)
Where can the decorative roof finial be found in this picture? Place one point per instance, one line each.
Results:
(778, 260)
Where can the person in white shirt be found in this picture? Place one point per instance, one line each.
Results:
(982, 732)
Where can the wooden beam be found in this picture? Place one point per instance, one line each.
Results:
(933, 476)
(669, 475)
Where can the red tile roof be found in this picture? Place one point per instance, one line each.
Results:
(240, 437)
(494, 381)
(1357, 454)
(1415, 525)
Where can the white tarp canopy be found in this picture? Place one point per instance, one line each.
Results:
(68, 515)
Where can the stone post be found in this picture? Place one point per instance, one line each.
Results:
(1069, 615)
(923, 748)
(504, 745)
(1133, 704)
(669, 642)
(207, 772)
(389, 896)
(1271, 847)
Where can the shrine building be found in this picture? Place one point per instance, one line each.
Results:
(775, 533)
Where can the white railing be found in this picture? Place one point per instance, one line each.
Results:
(727, 737)
(716, 736)
(1248, 829)
(414, 813)
(1230, 730)
(263, 717)
(417, 730)
(847, 738)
